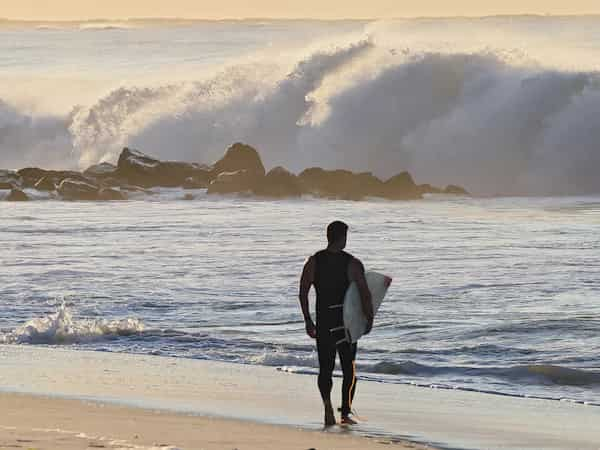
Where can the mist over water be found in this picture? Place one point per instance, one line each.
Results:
(499, 105)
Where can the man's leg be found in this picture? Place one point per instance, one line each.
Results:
(326, 351)
(347, 354)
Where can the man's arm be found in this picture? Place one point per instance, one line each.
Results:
(306, 281)
(357, 274)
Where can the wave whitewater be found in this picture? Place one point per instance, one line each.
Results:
(61, 328)
(497, 125)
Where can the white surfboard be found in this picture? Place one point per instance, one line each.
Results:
(355, 322)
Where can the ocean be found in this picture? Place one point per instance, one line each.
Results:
(496, 293)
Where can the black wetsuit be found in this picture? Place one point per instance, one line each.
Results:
(331, 283)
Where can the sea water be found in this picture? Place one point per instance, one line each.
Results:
(496, 295)
(493, 294)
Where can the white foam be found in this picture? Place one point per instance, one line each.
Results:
(61, 328)
(398, 98)
(282, 358)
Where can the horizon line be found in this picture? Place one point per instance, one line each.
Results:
(319, 19)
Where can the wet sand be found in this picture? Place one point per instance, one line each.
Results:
(234, 404)
(36, 422)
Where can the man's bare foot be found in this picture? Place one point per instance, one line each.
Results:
(348, 420)
(329, 415)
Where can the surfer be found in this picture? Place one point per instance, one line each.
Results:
(331, 271)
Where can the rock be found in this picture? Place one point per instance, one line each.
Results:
(233, 183)
(110, 182)
(142, 170)
(240, 170)
(46, 184)
(456, 190)
(9, 179)
(16, 195)
(278, 183)
(429, 189)
(401, 187)
(108, 194)
(370, 185)
(340, 184)
(5, 185)
(195, 183)
(131, 188)
(188, 197)
(32, 175)
(101, 171)
(72, 189)
(240, 157)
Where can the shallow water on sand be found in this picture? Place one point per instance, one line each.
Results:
(496, 295)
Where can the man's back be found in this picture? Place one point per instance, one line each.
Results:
(331, 277)
(331, 283)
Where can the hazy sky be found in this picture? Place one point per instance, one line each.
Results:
(76, 9)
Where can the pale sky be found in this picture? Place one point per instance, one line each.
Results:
(216, 9)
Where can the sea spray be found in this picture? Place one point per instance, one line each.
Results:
(61, 328)
(501, 116)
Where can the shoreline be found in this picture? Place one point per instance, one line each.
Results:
(262, 395)
(40, 422)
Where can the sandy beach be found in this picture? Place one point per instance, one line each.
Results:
(49, 423)
(196, 404)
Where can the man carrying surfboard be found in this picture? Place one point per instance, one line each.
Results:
(331, 271)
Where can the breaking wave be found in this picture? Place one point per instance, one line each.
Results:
(526, 374)
(105, 26)
(493, 122)
(32, 140)
(281, 358)
(61, 328)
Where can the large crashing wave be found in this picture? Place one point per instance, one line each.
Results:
(28, 140)
(475, 119)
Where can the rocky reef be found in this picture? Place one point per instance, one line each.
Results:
(240, 171)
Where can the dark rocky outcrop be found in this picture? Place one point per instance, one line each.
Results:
(240, 157)
(429, 189)
(9, 179)
(16, 195)
(130, 188)
(278, 183)
(30, 176)
(241, 181)
(240, 171)
(138, 169)
(401, 187)
(340, 184)
(105, 174)
(108, 194)
(196, 182)
(73, 189)
(46, 184)
(101, 171)
(456, 190)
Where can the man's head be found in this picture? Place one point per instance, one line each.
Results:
(336, 234)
